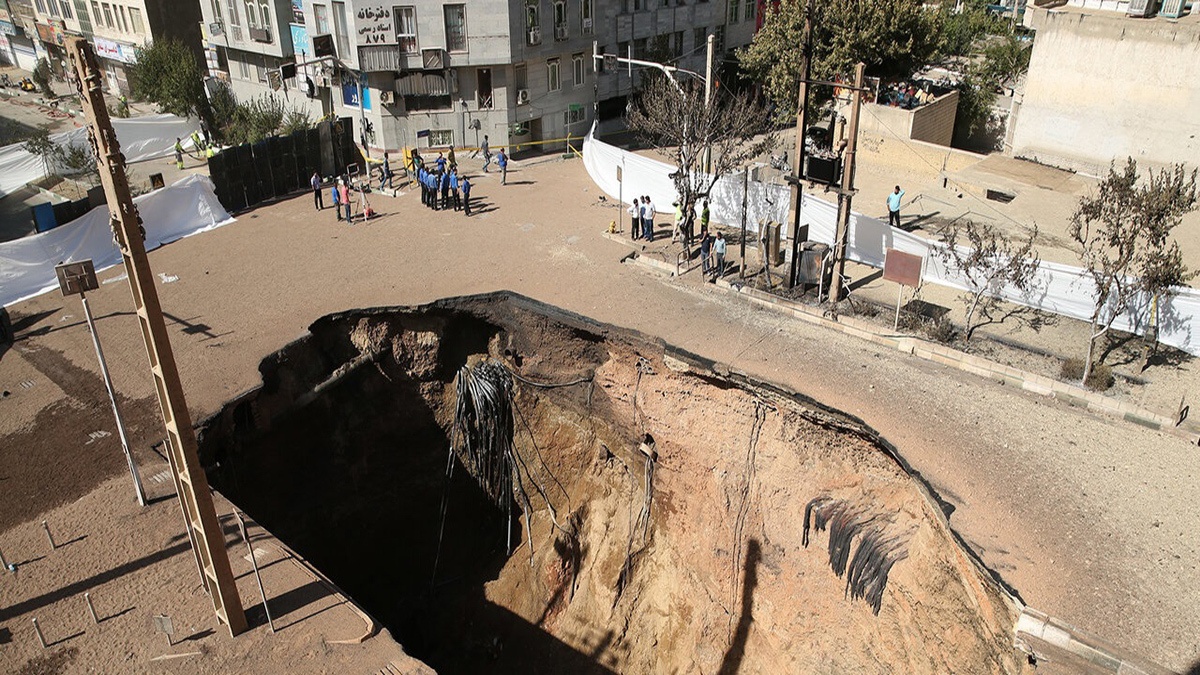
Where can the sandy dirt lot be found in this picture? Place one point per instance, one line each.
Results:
(1089, 519)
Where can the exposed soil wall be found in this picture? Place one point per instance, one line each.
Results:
(342, 453)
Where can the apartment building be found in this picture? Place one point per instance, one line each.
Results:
(247, 42)
(54, 22)
(18, 34)
(118, 28)
(432, 74)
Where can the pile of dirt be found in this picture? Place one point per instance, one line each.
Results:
(675, 541)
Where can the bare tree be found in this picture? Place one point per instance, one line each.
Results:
(1123, 235)
(989, 263)
(675, 120)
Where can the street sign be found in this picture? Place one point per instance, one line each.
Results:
(76, 278)
(164, 625)
(902, 268)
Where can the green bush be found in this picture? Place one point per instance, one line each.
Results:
(1100, 379)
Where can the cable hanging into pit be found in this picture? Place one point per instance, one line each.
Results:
(483, 436)
(877, 552)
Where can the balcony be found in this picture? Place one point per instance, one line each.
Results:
(260, 35)
(560, 32)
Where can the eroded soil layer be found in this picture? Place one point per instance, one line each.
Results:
(343, 450)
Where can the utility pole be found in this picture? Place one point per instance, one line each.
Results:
(847, 190)
(129, 235)
(708, 87)
(801, 130)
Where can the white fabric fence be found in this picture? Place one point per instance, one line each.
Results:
(1061, 289)
(186, 207)
(141, 138)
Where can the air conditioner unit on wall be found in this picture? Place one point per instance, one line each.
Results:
(535, 36)
(522, 96)
(1142, 8)
(560, 32)
(1173, 9)
(387, 97)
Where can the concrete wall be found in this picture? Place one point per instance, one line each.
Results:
(931, 123)
(909, 155)
(1104, 87)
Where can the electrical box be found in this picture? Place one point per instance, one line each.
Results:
(76, 278)
(771, 241)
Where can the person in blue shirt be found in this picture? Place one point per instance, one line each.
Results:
(502, 160)
(445, 189)
(337, 202)
(385, 173)
(454, 189)
(441, 163)
(466, 190)
(893, 204)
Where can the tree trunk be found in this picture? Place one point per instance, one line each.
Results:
(1091, 351)
(970, 315)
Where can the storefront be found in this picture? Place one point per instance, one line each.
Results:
(114, 57)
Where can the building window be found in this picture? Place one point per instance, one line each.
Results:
(560, 19)
(553, 81)
(252, 13)
(265, 10)
(440, 138)
(580, 73)
(520, 79)
(96, 12)
(734, 14)
(456, 28)
(261, 68)
(406, 29)
(750, 9)
(641, 48)
(41, 6)
(573, 115)
(587, 8)
(216, 8)
(65, 6)
(135, 18)
(124, 19)
(321, 15)
(701, 38)
(108, 16)
(233, 14)
(719, 39)
(244, 69)
(639, 5)
(339, 27)
(533, 22)
(677, 44)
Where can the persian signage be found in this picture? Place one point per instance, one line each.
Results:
(374, 25)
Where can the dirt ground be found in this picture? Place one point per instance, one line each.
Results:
(1085, 517)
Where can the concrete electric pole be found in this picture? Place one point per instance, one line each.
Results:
(708, 87)
(209, 541)
(801, 130)
(847, 190)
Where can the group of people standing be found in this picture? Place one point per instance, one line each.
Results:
(443, 180)
(712, 249)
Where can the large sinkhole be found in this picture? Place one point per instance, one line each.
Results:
(623, 507)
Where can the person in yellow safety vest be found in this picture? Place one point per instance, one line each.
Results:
(179, 153)
(197, 141)
(678, 231)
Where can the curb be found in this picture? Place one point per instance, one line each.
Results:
(1070, 394)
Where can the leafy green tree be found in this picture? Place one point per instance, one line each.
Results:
(39, 144)
(167, 74)
(41, 77)
(892, 37)
(1123, 237)
(1005, 59)
(963, 27)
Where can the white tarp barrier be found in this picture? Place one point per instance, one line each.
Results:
(1062, 289)
(141, 138)
(183, 208)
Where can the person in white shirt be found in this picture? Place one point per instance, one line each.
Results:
(635, 219)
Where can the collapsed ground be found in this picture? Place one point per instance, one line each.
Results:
(342, 453)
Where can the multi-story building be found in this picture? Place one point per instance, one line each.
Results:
(246, 43)
(431, 74)
(55, 21)
(18, 33)
(120, 27)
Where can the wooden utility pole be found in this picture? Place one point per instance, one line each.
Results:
(847, 190)
(708, 89)
(127, 230)
(801, 130)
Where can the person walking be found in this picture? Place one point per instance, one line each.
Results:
(465, 183)
(337, 199)
(893, 204)
(649, 233)
(635, 220)
(453, 162)
(385, 173)
(441, 163)
(719, 252)
(344, 193)
(487, 153)
(454, 190)
(502, 161)
(179, 153)
(316, 186)
(705, 251)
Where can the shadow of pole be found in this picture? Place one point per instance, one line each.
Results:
(737, 647)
